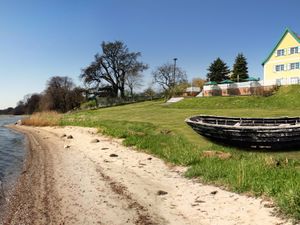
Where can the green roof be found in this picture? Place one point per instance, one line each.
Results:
(226, 82)
(252, 79)
(288, 30)
(211, 83)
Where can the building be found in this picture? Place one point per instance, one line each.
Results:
(240, 88)
(192, 91)
(282, 67)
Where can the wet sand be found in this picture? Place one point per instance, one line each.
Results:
(87, 178)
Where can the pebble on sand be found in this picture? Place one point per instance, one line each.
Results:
(213, 192)
(160, 192)
(95, 140)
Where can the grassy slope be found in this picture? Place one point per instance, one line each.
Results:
(285, 98)
(159, 129)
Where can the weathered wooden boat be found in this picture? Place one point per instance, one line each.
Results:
(259, 133)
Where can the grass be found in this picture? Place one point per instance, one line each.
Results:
(160, 130)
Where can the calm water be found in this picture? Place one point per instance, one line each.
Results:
(12, 152)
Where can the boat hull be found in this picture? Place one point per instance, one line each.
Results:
(275, 133)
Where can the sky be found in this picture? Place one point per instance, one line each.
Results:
(40, 39)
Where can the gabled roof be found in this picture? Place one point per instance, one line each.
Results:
(288, 30)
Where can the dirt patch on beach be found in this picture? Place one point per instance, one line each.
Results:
(82, 181)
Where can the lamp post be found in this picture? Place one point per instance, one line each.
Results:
(175, 59)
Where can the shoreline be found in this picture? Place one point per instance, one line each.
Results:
(12, 179)
(84, 181)
(22, 199)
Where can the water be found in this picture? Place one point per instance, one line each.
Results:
(12, 152)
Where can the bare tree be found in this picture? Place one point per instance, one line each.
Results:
(19, 109)
(167, 78)
(61, 95)
(133, 80)
(198, 82)
(113, 66)
(32, 102)
(149, 92)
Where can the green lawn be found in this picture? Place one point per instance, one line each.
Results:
(160, 130)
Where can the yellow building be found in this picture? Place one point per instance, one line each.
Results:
(282, 66)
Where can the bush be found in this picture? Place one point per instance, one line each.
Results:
(89, 104)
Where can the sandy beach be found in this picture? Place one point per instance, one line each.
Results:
(73, 176)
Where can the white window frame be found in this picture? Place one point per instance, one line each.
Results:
(294, 50)
(294, 66)
(280, 52)
(279, 68)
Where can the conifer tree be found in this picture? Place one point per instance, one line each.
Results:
(240, 68)
(218, 71)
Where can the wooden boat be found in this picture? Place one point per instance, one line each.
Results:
(259, 133)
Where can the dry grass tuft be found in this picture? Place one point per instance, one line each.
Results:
(50, 118)
(273, 162)
(218, 154)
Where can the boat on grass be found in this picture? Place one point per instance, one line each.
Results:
(258, 133)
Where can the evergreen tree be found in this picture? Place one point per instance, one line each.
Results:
(240, 68)
(217, 71)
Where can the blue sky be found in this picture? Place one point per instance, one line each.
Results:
(40, 39)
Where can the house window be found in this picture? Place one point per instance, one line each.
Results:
(294, 66)
(280, 52)
(279, 68)
(294, 50)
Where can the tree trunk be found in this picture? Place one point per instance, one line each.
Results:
(115, 90)
(122, 93)
(122, 90)
(131, 92)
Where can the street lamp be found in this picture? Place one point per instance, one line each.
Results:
(175, 59)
